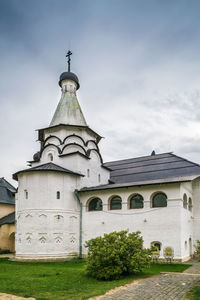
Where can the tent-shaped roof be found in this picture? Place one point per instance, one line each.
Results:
(47, 167)
(7, 192)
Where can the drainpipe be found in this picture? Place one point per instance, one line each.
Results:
(80, 225)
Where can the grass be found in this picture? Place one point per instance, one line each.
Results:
(194, 293)
(63, 280)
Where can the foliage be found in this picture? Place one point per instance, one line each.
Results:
(194, 293)
(197, 247)
(63, 280)
(117, 254)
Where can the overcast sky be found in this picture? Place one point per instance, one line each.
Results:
(138, 64)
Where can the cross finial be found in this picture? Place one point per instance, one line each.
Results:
(69, 53)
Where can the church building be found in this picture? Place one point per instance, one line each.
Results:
(68, 195)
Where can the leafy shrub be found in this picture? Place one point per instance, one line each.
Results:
(197, 247)
(116, 254)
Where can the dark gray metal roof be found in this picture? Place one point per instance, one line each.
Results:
(9, 219)
(47, 167)
(159, 168)
(153, 167)
(7, 192)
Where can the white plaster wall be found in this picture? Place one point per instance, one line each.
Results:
(196, 210)
(156, 224)
(46, 226)
(186, 222)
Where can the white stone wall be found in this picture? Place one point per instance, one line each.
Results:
(196, 210)
(164, 224)
(47, 226)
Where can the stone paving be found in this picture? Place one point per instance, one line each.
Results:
(165, 286)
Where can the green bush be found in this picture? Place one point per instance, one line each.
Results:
(117, 254)
(197, 247)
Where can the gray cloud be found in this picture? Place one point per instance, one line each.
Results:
(138, 66)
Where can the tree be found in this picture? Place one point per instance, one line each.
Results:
(117, 254)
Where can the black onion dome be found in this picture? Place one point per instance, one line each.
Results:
(71, 76)
(36, 156)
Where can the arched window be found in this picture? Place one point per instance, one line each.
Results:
(185, 201)
(95, 204)
(159, 200)
(50, 157)
(156, 244)
(136, 201)
(99, 178)
(57, 195)
(190, 204)
(26, 194)
(116, 203)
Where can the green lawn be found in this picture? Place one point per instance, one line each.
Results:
(194, 293)
(62, 280)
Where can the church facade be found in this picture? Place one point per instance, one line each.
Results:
(68, 195)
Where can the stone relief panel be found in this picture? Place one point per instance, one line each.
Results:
(28, 216)
(73, 221)
(73, 242)
(29, 238)
(58, 237)
(19, 238)
(58, 219)
(42, 238)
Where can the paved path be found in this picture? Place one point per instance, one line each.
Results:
(165, 286)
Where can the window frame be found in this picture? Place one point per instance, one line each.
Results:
(153, 199)
(89, 204)
(131, 198)
(111, 204)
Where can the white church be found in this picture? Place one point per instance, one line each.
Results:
(68, 195)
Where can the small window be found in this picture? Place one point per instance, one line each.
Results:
(116, 203)
(136, 201)
(190, 204)
(185, 201)
(50, 157)
(57, 195)
(88, 173)
(26, 194)
(99, 178)
(185, 245)
(156, 244)
(159, 200)
(95, 204)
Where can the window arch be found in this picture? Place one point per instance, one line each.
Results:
(136, 201)
(95, 204)
(159, 200)
(190, 204)
(116, 202)
(185, 201)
